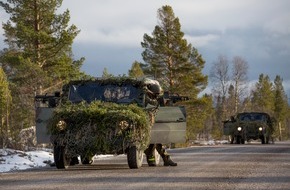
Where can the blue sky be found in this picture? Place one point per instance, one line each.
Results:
(111, 32)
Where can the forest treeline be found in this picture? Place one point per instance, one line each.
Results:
(38, 59)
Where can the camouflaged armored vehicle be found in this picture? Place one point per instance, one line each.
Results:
(107, 116)
(248, 126)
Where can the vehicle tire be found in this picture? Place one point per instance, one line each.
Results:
(134, 157)
(74, 161)
(86, 160)
(267, 140)
(60, 158)
(262, 139)
(242, 141)
(231, 138)
(238, 140)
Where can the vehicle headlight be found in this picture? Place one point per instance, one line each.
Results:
(239, 128)
(61, 125)
(260, 128)
(123, 124)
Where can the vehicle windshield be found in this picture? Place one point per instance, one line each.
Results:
(92, 91)
(253, 117)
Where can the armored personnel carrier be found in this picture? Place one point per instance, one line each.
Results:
(249, 125)
(107, 116)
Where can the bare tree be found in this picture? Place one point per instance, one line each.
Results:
(219, 75)
(239, 77)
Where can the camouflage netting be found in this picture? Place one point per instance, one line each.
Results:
(100, 128)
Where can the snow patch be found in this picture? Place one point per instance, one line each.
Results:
(11, 160)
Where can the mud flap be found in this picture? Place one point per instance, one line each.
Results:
(170, 126)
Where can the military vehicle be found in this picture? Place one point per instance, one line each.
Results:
(108, 116)
(248, 126)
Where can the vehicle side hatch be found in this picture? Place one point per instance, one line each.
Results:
(43, 114)
(170, 125)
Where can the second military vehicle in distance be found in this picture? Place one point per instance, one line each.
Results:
(248, 126)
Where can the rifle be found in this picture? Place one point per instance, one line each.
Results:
(168, 99)
(48, 100)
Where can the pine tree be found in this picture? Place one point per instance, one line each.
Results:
(39, 56)
(5, 101)
(106, 74)
(38, 37)
(262, 95)
(177, 66)
(199, 115)
(170, 59)
(136, 70)
(280, 105)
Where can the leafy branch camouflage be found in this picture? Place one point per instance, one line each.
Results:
(100, 127)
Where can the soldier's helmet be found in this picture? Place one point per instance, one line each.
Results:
(155, 88)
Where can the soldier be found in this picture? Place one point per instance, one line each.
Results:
(153, 93)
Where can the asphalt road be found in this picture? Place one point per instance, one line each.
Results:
(249, 166)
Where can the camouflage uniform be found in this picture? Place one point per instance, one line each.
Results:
(149, 152)
(152, 98)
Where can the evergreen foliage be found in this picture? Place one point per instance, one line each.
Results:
(271, 98)
(263, 96)
(36, 34)
(106, 74)
(136, 70)
(5, 103)
(199, 117)
(280, 106)
(39, 56)
(170, 59)
(177, 65)
(280, 101)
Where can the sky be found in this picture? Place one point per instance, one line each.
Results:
(112, 32)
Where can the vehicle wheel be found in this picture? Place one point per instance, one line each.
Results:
(231, 138)
(87, 160)
(74, 161)
(262, 139)
(242, 141)
(238, 140)
(134, 157)
(267, 140)
(60, 158)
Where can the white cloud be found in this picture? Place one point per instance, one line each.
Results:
(257, 30)
(125, 37)
(286, 85)
(202, 40)
(1, 38)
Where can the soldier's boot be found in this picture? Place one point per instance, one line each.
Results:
(167, 161)
(151, 160)
(149, 155)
